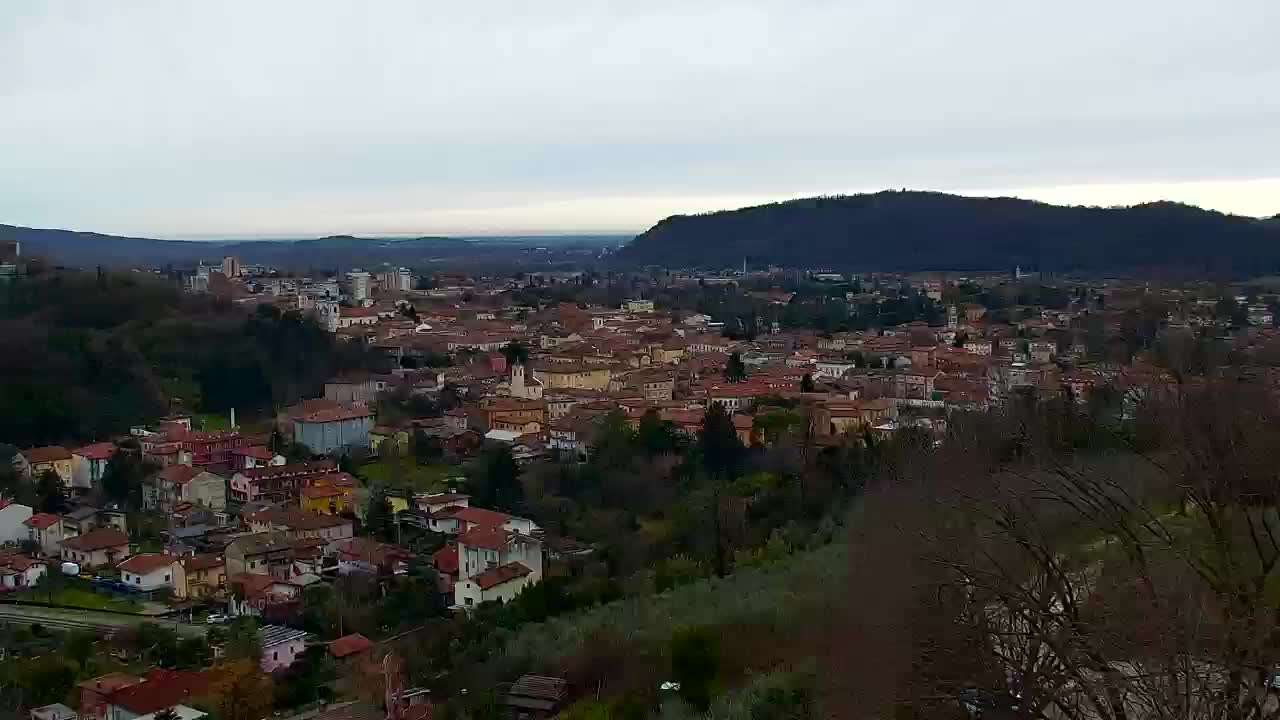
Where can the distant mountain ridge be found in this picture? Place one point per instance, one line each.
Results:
(912, 231)
(87, 249)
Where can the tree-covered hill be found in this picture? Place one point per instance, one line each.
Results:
(909, 231)
(89, 355)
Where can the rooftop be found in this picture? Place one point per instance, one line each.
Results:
(99, 539)
(494, 577)
(269, 635)
(143, 563)
(348, 645)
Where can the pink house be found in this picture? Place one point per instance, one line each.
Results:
(280, 646)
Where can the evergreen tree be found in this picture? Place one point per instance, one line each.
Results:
(49, 493)
(806, 384)
(497, 479)
(735, 370)
(721, 450)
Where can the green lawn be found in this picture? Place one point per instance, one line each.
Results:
(210, 422)
(406, 473)
(81, 598)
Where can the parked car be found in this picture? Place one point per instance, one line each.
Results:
(216, 619)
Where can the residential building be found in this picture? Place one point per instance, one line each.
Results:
(508, 411)
(579, 376)
(396, 280)
(264, 553)
(280, 646)
(353, 391)
(156, 691)
(18, 571)
(154, 571)
(53, 458)
(206, 575)
(637, 305)
(178, 484)
(495, 564)
(13, 522)
(358, 282)
(326, 499)
(278, 483)
(349, 647)
(333, 431)
(56, 711)
(262, 595)
(299, 525)
(95, 693)
(231, 266)
(89, 464)
(45, 530)
(102, 547)
(244, 458)
(362, 555)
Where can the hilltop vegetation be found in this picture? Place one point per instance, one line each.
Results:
(90, 355)
(908, 231)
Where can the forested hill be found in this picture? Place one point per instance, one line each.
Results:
(909, 231)
(87, 356)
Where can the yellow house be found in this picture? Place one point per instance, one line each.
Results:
(573, 375)
(56, 458)
(326, 499)
(637, 305)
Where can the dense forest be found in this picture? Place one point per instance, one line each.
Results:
(909, 231)
(91, 354)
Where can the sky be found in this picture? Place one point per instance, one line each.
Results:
(239, 118)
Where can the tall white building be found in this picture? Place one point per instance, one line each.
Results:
(396, 279)
(231, 266)
(359, 282)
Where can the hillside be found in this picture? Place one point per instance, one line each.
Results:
(102, 353)
(88, 249)
(909, 231)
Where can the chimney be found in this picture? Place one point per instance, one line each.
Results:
(233, 418)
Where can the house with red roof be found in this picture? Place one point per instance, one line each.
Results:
(495, 564)
(55, 458)
(350, 647)
(89, 464)
(362, 555)
(154, 571)
(19, 571)
(455, 519)
(243, 458)
(45, 530)
(102, 547)
(158, 690)
(278, 483)
(334, 431)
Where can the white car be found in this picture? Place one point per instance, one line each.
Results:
(216, 619)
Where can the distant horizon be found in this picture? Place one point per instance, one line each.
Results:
(1083, 195)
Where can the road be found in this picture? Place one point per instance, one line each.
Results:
(65, 619)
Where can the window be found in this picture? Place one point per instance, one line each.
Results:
(166, 577)
(275, 656)
(137, 579)
(468, 601)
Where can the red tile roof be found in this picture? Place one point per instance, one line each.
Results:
(47, 454)
(348, 645)
(481, 516)
(143, 563)
(178, 474)
(161, 689)
(501, 574)
(303, 468)
(42, 520)
(109, 683)
(203, 562)
(491, 538)
(256, 452)
(336, 415)
(96, 451)
(99, 539)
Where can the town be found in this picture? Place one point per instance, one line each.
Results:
(513, 447)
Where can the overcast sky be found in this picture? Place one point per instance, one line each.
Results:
(242, 118)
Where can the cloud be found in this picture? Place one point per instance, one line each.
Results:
(317, 116)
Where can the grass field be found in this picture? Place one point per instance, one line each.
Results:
(81, 598)
(406, 473)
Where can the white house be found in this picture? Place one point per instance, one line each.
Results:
(102, 547)
(13, 522)
(89, 464)
(45, 530)
(19, 571)
(154, 571)
(280, 646)
(495, 564)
